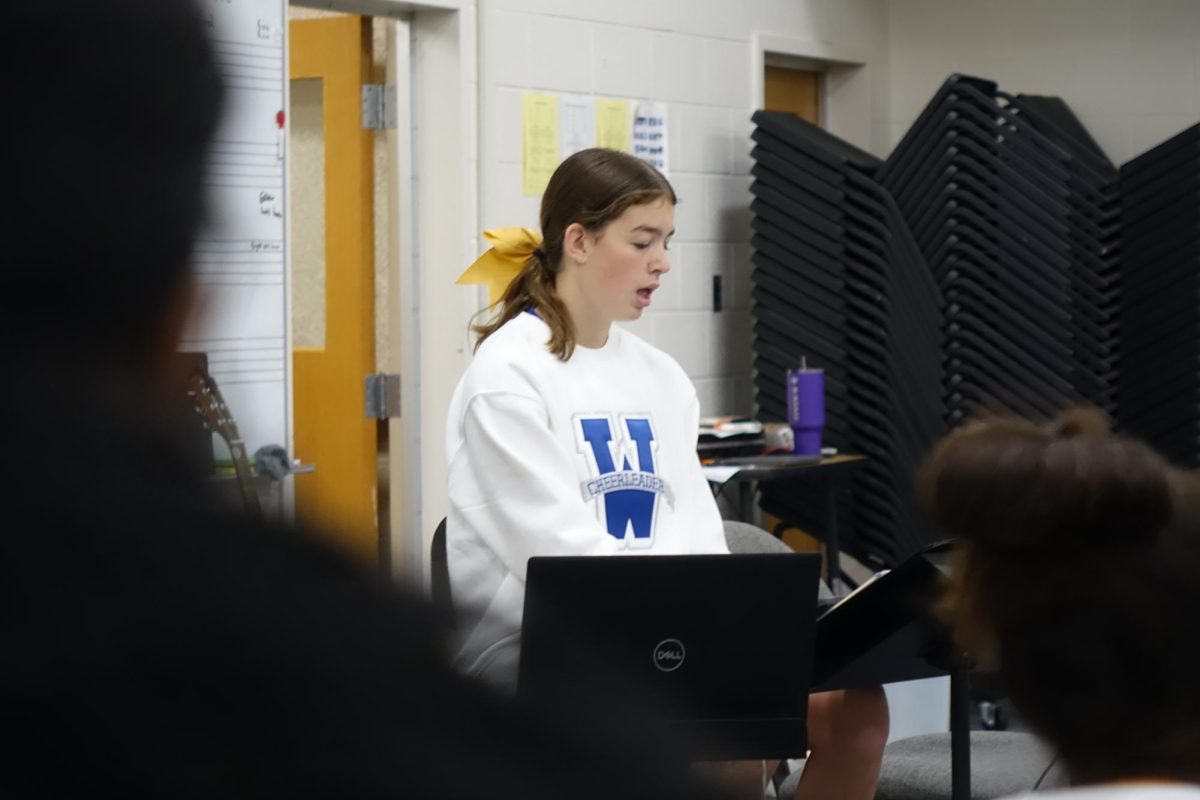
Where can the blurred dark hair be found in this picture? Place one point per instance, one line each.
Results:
(111, 106)
(1079, 578)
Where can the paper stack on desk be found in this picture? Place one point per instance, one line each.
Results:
(721, 437)
(725, 427)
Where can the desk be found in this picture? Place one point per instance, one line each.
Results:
(746, 472)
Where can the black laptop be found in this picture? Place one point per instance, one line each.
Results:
(716, 649)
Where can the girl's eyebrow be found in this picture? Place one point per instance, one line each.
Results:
(652, 229)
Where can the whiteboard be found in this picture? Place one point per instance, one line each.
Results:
(240, 256)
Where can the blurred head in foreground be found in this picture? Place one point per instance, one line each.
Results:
(1079, 579)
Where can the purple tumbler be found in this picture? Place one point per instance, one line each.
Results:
(806, 408)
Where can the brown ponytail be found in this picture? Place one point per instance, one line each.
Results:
(592, 187)
(533, 288)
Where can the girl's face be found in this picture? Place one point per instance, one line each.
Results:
(627, 259)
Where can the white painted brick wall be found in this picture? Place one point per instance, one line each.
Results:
(620, 55)
(678, 72)
(1130, 69)
(562, 53)
(695, 55)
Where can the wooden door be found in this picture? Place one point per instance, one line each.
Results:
(796, 91)
(331, 428)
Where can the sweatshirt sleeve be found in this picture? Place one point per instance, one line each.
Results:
(708, 529)
(514, 488)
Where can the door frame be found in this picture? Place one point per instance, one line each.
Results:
(433, 187)
(845, 84)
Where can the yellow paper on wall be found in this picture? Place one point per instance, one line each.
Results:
(539, 119)
(612, 124)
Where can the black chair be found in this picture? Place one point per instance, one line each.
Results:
(439, 577)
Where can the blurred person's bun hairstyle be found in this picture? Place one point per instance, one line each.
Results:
(1077, 578)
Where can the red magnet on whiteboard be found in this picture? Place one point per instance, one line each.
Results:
(279, 124)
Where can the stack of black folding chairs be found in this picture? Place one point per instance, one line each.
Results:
(1016, 220)
(1160, 377)
(978, 269)
(838, 281)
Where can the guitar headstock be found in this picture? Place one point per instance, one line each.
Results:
(211, 407)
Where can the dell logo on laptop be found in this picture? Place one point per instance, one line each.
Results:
(669, 655)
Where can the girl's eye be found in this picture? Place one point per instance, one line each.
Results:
(642, 245)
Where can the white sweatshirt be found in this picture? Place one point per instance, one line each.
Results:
(593, 456)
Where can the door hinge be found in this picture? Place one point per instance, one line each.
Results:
(378, 106)
(383, 396)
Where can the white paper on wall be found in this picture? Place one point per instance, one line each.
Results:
(577, 123)
(650, 134)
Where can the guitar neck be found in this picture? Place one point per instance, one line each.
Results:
(245, 478)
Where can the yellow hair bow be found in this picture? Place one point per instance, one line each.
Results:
(511, 248)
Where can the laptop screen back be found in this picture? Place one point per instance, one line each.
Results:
(718, 644)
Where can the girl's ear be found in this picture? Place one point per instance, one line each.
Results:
(577, 243)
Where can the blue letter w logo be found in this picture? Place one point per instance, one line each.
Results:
(629, 493)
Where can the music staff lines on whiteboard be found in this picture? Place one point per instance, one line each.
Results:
(235, 257)
(249, 365)
(265, 170)
(232, 147)
(244, 365)
(229, 145)
(272, 370)
(253, 79)
(222, 344)
(265, 374)
(235, 268)
(249, 59)
(217, 175)
(239, 280)
(263, 73)
(221, 48)
(257, 84)
(238, 264)
(250, 181)
(222, 270)
(229, 355)
(248, 159)
(256, 170)
(245, 182)
(268, 379)
(270, 362)
(239, 246)
(260, 170)
(234, 61)
(244, 378)
(273, 373)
